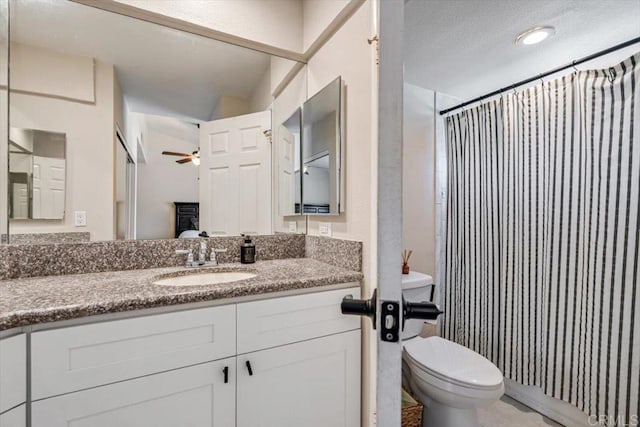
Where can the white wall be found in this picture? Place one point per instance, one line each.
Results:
(348, 54)
(90, 150)
(161, 181)
(22, 138)
(418, 178)
(274, 22)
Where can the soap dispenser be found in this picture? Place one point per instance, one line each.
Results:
(248, 251)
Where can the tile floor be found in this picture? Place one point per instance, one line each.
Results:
(507, 412)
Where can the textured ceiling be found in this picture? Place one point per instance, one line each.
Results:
(161, 71)
(465, 48)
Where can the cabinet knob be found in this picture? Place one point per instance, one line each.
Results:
(249, 368)
(225, 372)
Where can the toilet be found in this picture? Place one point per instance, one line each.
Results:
(450, 380)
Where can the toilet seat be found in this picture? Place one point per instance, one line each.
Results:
(452, 363)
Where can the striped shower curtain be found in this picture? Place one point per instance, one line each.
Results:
(542, 240)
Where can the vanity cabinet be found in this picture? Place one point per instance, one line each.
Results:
(13, 381)
(279, 362)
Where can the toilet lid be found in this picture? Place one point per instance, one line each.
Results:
(453, 361)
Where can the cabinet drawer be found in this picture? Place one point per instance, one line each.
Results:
(192, 396)
(13, 372)
(17, 417)
(279, 321)
(79, 357)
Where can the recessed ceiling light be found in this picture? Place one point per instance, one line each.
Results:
(535, 35)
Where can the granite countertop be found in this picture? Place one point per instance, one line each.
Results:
(35, 300)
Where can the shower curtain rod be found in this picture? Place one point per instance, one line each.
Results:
(542, 75)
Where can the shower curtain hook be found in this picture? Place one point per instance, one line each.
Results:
(573, 64)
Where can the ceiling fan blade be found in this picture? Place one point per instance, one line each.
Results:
(173, 153)
(181, 161)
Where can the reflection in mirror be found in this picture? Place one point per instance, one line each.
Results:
(322, 151)
(289, 139)
(4, 116)
(37, 174)
(153, 119)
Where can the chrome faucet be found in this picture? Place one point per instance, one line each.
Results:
(189, 253)
(214, 258)
(202, 255)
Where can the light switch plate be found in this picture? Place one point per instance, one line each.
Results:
(325, 229)
(80, 218)
(293, 226)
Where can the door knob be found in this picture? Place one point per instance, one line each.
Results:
(361, 307)
(390, 313)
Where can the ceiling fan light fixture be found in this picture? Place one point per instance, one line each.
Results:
(195, 160)
(535, 35)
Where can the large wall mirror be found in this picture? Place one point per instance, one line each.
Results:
(133, 130)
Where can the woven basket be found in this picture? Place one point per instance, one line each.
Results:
(411, 411)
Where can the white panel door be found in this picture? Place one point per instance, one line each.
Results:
(286, 171)
(313, 383)
(20, 201)
(48, 187)
(235, 175)
(196, 396)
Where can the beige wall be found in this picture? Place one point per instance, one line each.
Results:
(274, 22)
(292, 97)
(317, 15)
(39, 71)
(90, 153)
(348, 54)
(231, 106)
(261, 95)
(418, 176)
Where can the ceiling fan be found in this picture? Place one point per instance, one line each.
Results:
(193, 157)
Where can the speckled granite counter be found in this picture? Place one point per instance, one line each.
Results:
(29, 301)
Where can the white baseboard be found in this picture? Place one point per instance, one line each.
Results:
(533, 397)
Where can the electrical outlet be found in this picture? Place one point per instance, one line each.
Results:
(293, 226)
(80, 218)
(325, 229)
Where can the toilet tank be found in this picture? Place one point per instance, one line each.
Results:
(416, 287)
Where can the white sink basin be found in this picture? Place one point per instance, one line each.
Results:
(201, 279)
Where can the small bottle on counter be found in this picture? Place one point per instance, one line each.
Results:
(248, 251)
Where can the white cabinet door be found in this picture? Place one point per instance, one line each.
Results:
(13, 372)
(196, 396)
(313, 383)
(17, 417)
